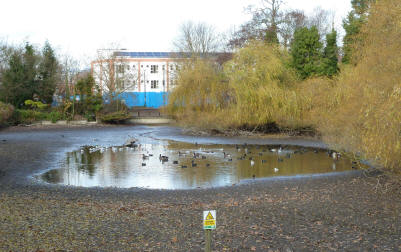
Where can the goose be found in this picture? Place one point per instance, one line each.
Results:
(163, 158)
(144, 157)
(143, 164)
(252, 163)
(275, 169)
(335, 155)
(193, 163)
(226, 155)
(183, 166)
(175, 162)
(207, 165)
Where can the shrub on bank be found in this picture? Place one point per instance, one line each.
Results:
(363, 109)
(114, 117)
(6, 111)
(27, 116)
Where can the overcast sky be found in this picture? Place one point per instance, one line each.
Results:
(79, 27)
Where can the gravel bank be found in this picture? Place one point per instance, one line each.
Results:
(346, 212)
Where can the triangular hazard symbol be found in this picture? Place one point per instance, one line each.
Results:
(209, 216)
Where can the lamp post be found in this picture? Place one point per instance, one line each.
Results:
(164, 86)
(144, 84)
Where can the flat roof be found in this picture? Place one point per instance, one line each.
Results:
(147, 54)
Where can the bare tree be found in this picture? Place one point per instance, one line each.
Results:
(323, 20)
(197, 39)
(264, 25)
(113, 74)
(292, 20)
(69, 73)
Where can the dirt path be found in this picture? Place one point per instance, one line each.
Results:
(329, 213)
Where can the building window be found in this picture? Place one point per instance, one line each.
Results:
(154, 69)
(120, 68)
(171, 67)
(154, 84)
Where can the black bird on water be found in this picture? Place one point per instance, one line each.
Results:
(163, 158)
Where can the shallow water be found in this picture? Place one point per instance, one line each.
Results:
(189, 165)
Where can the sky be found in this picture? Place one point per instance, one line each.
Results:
(80, 27)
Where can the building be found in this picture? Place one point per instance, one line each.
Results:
(137, 78)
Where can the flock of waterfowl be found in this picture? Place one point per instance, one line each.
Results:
(241, 152)
(245, 152)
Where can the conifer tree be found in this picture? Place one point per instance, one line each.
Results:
(48, 70)
(306, 52)
(352, 26)
(330, 55)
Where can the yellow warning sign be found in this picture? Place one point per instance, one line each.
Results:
(209, 219)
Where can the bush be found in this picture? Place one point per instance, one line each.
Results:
(27, 116)
(6, 112)
(114, 117)
(362, 112)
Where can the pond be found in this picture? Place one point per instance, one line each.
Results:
(178, 165)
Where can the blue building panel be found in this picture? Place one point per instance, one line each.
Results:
(144, 99)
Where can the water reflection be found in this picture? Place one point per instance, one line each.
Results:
(188, 165)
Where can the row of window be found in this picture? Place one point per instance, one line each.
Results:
(153, 68)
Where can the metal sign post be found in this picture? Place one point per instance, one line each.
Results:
(209, 223)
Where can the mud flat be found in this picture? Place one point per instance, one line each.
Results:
(347, 211)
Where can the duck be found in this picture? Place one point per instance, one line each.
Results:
(175, 162)
(252, 163)
(144, 157)
(193, 163)
(335, 155)
(163, 158)
(275, 169)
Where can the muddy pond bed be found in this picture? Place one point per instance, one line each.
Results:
(336, 211)
(179, 165)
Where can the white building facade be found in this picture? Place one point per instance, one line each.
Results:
(138, 78)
